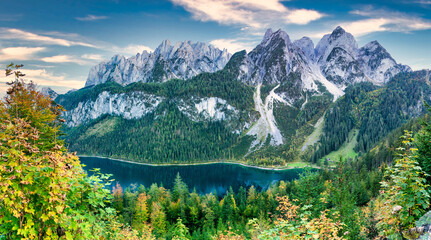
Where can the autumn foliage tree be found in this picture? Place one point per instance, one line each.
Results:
(35, 171)
(295, 222)
(44, 192)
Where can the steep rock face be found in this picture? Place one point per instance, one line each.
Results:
(213, 109)
(269, 62)
(336, 62)
(307, 47)
(129, 106)
(343, 63)
(182, 60)
(135, 105)
(276, 60)
(337, 57)
(337, 39)
(378, 63)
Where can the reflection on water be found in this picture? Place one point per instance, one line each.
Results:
(204, 178)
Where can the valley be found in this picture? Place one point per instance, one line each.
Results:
(215, 120)
(267, 107)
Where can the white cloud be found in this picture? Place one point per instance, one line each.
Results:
(385, 22)
(95, 57)
(303, 16)
(19, 53)
(233, 45)
(66, 39)
(366, 26)
(90, 17)
(64, 59)
(85, 59)
(17, 34)
(43, 77)
(131, 49)
(248, 13)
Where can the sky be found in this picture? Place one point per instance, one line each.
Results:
(59, 41)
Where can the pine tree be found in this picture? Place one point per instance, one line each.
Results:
(405, 194)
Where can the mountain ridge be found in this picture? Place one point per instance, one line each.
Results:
(267, 101)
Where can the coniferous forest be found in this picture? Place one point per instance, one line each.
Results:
(45, 194)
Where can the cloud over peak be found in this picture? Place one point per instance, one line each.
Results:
(247, 13)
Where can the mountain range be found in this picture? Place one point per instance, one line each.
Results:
(193, 102)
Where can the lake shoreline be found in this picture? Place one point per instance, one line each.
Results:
(194, 164)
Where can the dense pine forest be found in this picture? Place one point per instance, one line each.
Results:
(45, 194)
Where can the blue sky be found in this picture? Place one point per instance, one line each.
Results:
(59, 41)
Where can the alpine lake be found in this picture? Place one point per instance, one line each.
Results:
(204, 178)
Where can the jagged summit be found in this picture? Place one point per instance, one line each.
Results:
(268, 34)
(307, 46)
(182, 60)
(338, 31)
(339, 38)
(378, 63)
(271, 36)
(336, 62)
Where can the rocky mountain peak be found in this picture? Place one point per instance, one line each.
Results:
(307, 46)
(268, 34)
(338, 32)
(182, 60)
(378, 63)
(339, 38)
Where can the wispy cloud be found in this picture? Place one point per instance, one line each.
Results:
(423, 2)
(248, 13)
(14, 36)
(90, 17)
(233, 45)
(64, 59)
(131, 49)
(46, 78)
(10, 17)
(85, 59)
(94, 57)
(387, 21)
(17, 34)
(19, 53)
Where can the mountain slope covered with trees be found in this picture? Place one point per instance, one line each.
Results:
(46, 195)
